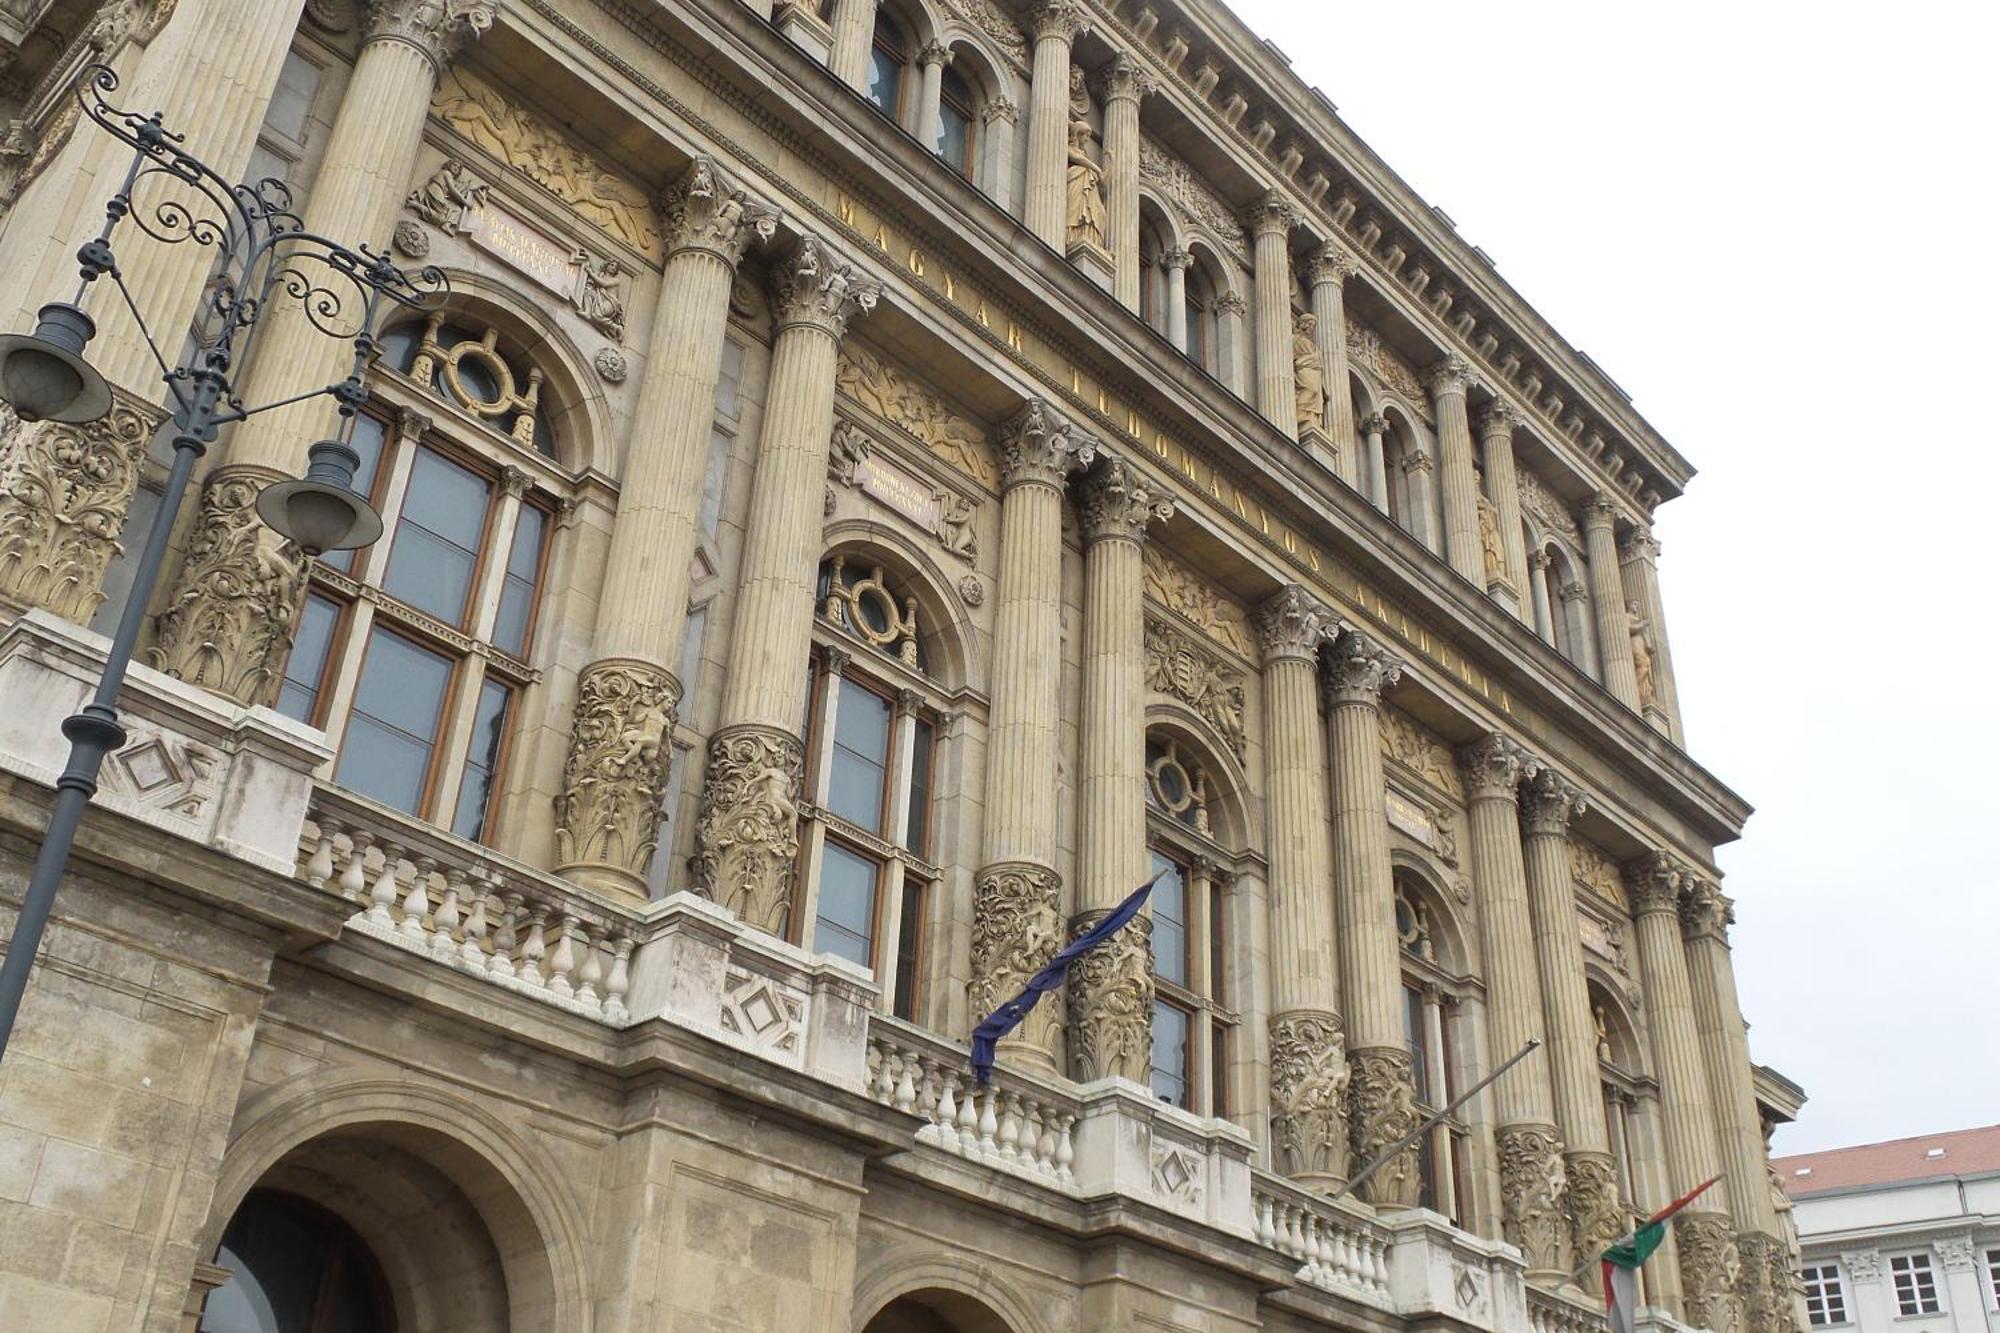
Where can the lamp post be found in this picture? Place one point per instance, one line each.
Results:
(265, 257)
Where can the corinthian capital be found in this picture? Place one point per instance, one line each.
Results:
(1640, 544)
(706, 210)
(1124, 79)
(1271, 214)
(438, 28)
(1292, 625)
(1066, 19)
(1449, 375)
(1654, 883)
(1600, 510)
(1550, 802)
(1705, 909)
(1498, 419)
(1359, 669)
(1119, 503)
(1037, 446)
(816, 288)
(1493, 766)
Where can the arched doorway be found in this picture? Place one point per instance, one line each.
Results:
(936, 1311)
(296, 1268)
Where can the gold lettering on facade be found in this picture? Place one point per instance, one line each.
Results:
(1014, 335)
(846, 211)
(917, 262)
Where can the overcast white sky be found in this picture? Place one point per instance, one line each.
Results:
(1774, 225)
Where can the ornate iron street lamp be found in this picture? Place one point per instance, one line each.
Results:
(265, 259)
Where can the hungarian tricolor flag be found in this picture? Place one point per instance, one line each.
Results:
(1622, 1260)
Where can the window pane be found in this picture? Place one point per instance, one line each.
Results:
(305, 670)
(730, 378)
(860, 756)
(923, 743)
(482, 760)
(438, 536)
(517, 591)
(392, 731)
(1218, 961)
(846, 924)
(885, 80)
(291, 100)
(955, 137)
(1170, 1053)
(713, 481)
(1218, 1068)
(909, 943)
(1170, 940)
(1416, 1034)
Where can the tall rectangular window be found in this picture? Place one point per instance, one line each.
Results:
(1916, 1284)
(434, 556)
(1171, 1071)
(909, 947)
(482, 761)
(392, 729)
(1170, 926)
(846, 925)
(305, 669)
(1826, 1303)
(1993, 1276)
(517, 589)
(858, 783)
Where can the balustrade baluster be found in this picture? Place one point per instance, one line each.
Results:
(536, 946)
(947, 1112)
(354, 873)
(619, 982)
(506, 938)
(444, 921)
(319, 866)
(382, 898)
(416, 903)
(1065, 1151)
(562, 959)
(590, 974)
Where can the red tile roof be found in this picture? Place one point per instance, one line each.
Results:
(1966, 1152)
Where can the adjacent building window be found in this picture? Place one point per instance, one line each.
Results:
(1194, 1022)
(1916, 1284)
(1826, 1303)
(1993, 1276)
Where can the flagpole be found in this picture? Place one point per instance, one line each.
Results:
(1417, 1133)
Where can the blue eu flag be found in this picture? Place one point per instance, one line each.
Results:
(1010, 1015)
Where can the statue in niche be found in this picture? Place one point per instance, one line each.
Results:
(600, 293)
(1641, 630)
(1491, 548)
(1309, 374)
(1086, 189)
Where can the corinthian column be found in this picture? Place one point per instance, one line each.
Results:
(1271, 222)
(1765, 1283)
(1639, 571)
(1447, 380)
(1607, 595)
(1503, 488)
(748, 839)
(1531, 1165)
(1055, 24)
(1704, 1240)
(1595, 1217)
(853, 38)
(1374, 427)
(1383, 1105)
(1111, 988)
(1124, 85)
(1309, 1075)
(1332, 266)
(621, 738)
(1017, 920)
(228, 623)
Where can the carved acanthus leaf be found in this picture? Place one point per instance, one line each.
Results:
(1016, 929)
(64, 492)
(1596, 1217)
(1531, 1194)
(1710, 1268)
(1111, 1003)
(620, 752)
(1292, 624)
(438, 28)
(813, 285)
(1118, 501)
(1359, 669)
(1309, 1081)
(1548, 509)
(747, 842)
(707, 210)
(1191, 197)
(1384, 1109)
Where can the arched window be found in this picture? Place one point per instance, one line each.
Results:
(295, 1268)
(869, 844)
(1204, 339)
(413, 654)
(957, 123)
(1194, 1022)
(1619, 1073)
(888, 63)
(1433, 983)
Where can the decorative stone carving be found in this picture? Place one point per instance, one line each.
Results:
(610, 364)
(1308, 373)
(1548, 509)
(767, 1016)
(1421, 750)
(1494, 765)
(1366, 349)
(438, 28)
(1291, 625)
(706, 210)
(956, 526)
(1550, 802)
(1333, 262)
(229, 624)
(1709, 1270)
(988, 18)
(518, 138)
(1309, 1080)
(1086, 216)
(1640, 630)
(1450, 374)
(1066, 19)
(410, 239)
(1654, 884)
(444, 201)
(1177, 1173)
(620, 750)
(972, 590)
(814, 286)
(1954, 1252)
(1764, 1290)
(1705, 909)
(1596, 1217)
(1271, 213)
(1111, 1003)
(1531, 1193)
(848, 450)
(1384, 1109)
(600, 293)
(1359, 669)
(1016, 929)
(747, 841)
(1191, 197)
(1492, 552)
(1119, 503)
(1862, 1265)
(157, 770)
(1183, 592)
(888, 393)
(64, 493)
(1182, 669)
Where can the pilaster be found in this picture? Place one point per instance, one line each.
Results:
(1448, 380)
(1607, 592)
(1332, 265)
(1055, 24)
(1271, 222)
(1503, 490)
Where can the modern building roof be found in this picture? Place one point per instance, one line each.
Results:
(1962, 1152)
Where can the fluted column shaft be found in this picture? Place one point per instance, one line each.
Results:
(1448, 380)
(1332, 266)
(608, 810)
(747, 841)
(1373, 429)
(1703, 1236)
(1055, 24)
(933, 59)
(1503, 488)
(1309, 1076)
(1639, 571)
(1530, 1151)
(1595, 1216)
(1175, 263)
(853, 39)
(1124, 86)
(1017, 922)
(1111, 999)
(1607, 595)
(1271, 223)
(1383, 1095)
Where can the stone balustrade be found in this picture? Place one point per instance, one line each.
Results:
(1556, 1312)
(1339, 1246)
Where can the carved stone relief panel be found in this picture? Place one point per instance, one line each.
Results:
(1366, 349)
(855, 461)
(1420, 750)
(1547, 508)
(1597, 872)
(1180, 667)
(988, 18)
(887, 392)
(1182, 591)
(1197, 204)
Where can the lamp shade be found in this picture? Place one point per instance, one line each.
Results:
(322, 511)
(43, 375)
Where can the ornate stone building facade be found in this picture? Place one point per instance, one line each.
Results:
(890, 476)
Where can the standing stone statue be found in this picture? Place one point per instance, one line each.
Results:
(1308, 374)
(1641, 631)
(1086, 189)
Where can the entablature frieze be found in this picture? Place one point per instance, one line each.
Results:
(980, 293)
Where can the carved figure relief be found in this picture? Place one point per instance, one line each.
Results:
(1641, 631)
(600, 293)
(1192, 198)
(448, 196)
(229, 624)
(1087, 213)
(1710, 1269)
(1764, 1296)
(747, 841)
(64, 492)
(849, 449)
(955, 530)
(1182, 591)
(520, 139)
(1531, 1194)
(1309, 1081)
(893, 396)
(1492, 550)
(1547, 508)
(1111, 1004)
(1308, 374)
(1016, 929)
(1596, 1217)
(1419, 749)
(608, 810)
(1180, 668)
(1384, 1109)
(1590, 867)
(1366, 349)
(988, 18)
